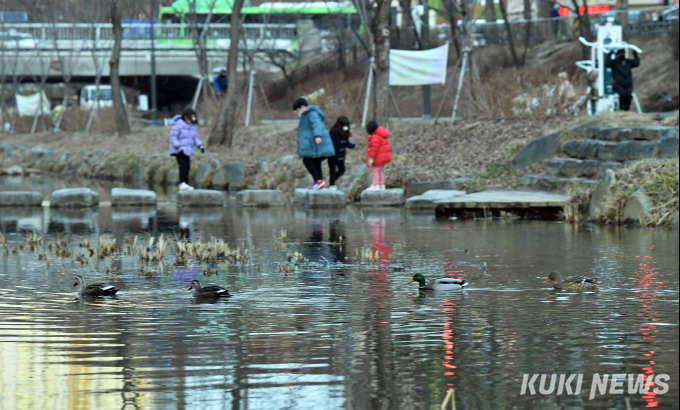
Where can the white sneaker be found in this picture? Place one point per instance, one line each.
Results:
(333, 188)
(185, 187)
(382, 187)
(373, 188)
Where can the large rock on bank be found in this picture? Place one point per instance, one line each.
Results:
(383, 197)
(132, 197)
(229, 176)
(547, 146)
(322, 198)
(200, 198)
(637, 208)
(74, 198)
(261, 197)
(601, 196)
(20, 198)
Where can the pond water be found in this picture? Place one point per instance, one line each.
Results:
(338, 333)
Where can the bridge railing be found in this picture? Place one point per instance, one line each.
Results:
(647, 20)
(138, 35)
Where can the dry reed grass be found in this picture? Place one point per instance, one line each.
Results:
(658, 179)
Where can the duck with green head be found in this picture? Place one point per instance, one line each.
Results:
(438, 284)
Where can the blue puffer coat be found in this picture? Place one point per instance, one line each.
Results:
(312, 126)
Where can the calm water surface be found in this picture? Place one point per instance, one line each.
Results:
(344, 336)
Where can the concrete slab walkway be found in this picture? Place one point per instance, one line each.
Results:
(505, 199)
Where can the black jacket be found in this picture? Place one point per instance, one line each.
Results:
(622, 71)
(340, 144)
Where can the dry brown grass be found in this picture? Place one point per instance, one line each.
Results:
(73, 120)
(658, 179)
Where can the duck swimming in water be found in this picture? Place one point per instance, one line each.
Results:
(571, 282)
(95, 289)
(211, 291)
(438, 284)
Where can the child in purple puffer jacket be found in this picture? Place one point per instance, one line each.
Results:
(183, 139)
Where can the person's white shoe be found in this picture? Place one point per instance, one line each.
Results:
(183, 186)
(382, 187)
(333, 188)
(373, 188)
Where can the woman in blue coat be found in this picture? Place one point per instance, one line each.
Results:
(313, 140)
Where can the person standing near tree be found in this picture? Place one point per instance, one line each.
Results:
(340, 135)
(220, 83)
(622, 75)
(313, 140)
(183, 139)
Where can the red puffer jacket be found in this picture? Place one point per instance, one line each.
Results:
(379, 147)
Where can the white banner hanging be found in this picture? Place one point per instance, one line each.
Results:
(27, 105)
(419, 67)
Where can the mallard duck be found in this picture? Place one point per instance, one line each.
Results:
(212, 291)
(571, 282)
(438, 284)
(95, 289)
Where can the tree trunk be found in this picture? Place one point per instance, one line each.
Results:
(122, 124)
(380, 26)
(508, 29)
(490, 17)
(544, 7)
(527, 9)
(623, 17)
(225, 127)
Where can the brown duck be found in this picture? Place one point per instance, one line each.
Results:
(571, 282)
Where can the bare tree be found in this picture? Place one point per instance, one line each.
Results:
(490, 17)
(119, 114)
(623, 17)
(66, 60)
(583, 24)
(376, 15)
(225, 127)
(98, 57)
(508, 30)
(199, 34)
(451, 12)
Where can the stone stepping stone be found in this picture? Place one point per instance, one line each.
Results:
(132, 197)
(322, 198)
(383, 197)
(20, 198)
(200, 198)
(261, 197)
(74, 198)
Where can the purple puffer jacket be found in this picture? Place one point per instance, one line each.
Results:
(183, 136)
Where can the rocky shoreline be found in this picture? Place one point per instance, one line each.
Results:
(285, 174)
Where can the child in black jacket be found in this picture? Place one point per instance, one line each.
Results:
(340, 135)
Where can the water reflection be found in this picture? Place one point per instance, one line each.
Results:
(337, 333)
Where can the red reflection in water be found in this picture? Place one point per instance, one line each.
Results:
(646, 280)
(448, 310)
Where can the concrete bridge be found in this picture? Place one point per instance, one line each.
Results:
(82, 50)
(53, 65)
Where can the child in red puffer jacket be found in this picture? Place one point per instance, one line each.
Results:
(379, 153)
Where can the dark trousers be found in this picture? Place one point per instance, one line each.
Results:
(184, 162)
(337, 168)
(625, 93)
(313, 165)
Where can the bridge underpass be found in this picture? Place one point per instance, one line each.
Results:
(68, 48)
